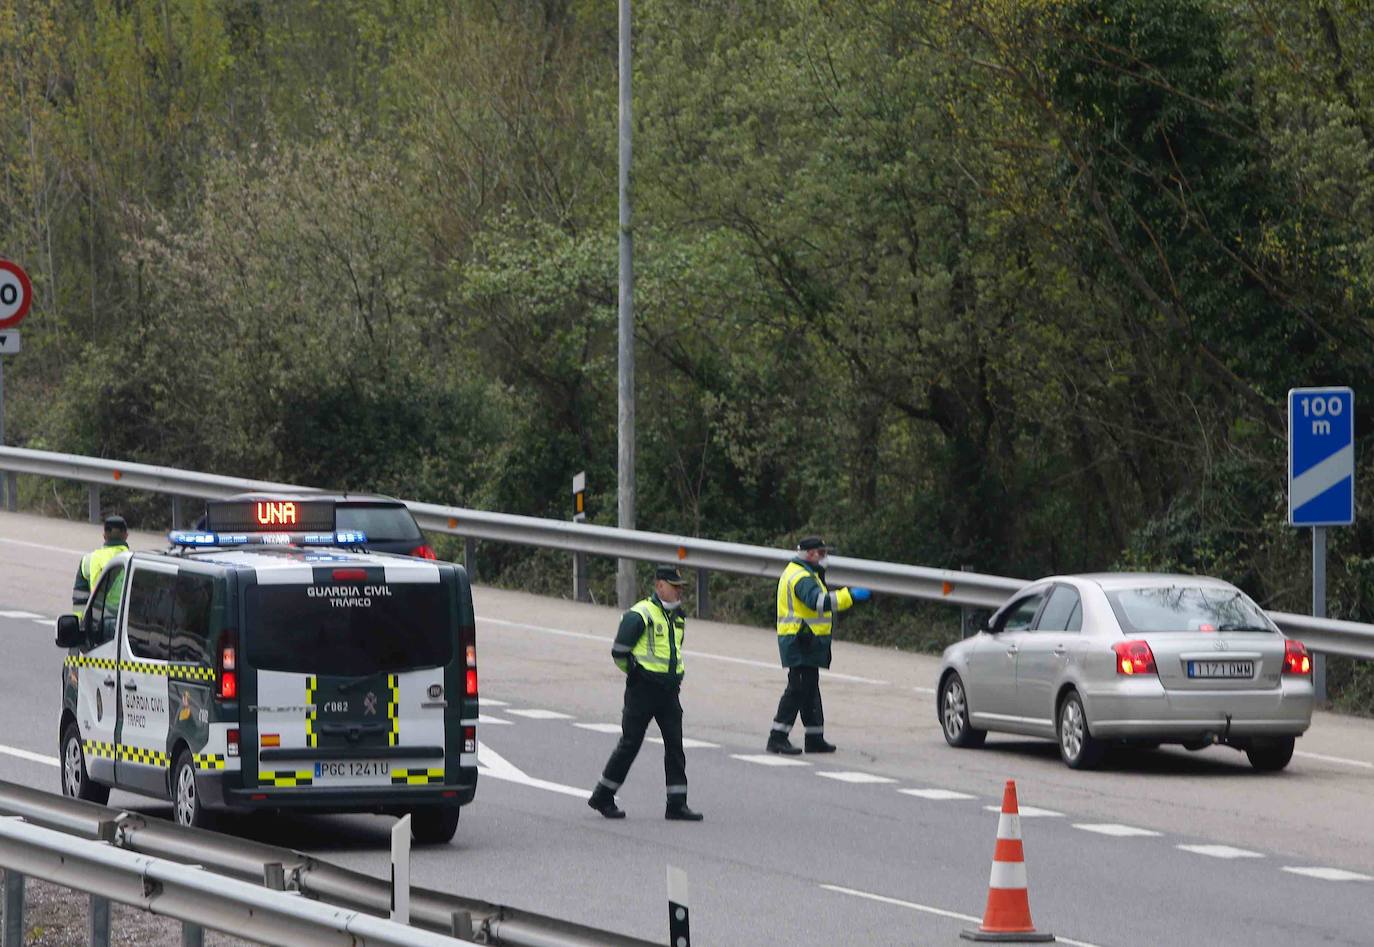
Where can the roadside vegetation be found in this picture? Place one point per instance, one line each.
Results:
(1017, 284)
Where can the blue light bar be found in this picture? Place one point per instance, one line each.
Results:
(203, 540)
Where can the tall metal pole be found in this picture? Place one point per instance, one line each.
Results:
(1319, 606)
(625, 575)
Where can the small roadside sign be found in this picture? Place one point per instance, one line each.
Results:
(579, 489)
(16, 294)
(1321, 456)
(9, 341)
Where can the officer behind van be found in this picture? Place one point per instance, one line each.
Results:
(116, 541)
(648, 648)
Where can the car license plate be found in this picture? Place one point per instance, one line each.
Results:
(1214, 669)
(343, 770)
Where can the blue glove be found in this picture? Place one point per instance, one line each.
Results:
(860, 594)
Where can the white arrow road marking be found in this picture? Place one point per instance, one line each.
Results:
(938, 912)
(1219, 851)
(494, 765)
(1330, 874)
(30, 756)
(937, 795)
(1314, 481)
(1115, 829)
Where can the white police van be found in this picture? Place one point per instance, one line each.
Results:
(263, 664)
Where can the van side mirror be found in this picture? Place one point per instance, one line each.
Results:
(69, 632)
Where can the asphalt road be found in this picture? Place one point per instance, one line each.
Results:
(888, 841)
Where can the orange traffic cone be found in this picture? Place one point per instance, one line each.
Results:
(1007, 917)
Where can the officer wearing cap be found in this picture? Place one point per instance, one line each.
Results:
(648, 648)
(806, 616)
(116, 541)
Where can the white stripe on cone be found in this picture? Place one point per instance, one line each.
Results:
(1009, 826)
(1008, 875)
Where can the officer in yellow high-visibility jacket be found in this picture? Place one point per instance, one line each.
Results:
(648, 648)
(806, 617)
(94, 562)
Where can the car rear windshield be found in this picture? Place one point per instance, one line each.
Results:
(390, 523)
(1186, 608)
(348, 630)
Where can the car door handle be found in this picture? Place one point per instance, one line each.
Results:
(1060, 651)
(109, 682)
(130, 686)
(1011, 652)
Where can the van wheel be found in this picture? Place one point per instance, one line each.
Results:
(76, 782)
(1076, 745)
(434, 825)
(186, 805)
(1271, 755)
(954, 715)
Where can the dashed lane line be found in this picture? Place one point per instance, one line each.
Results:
(61, 549)
(1329, 874)
(1219, 851)
(1030, 812)
(700, 655)
(1116, 830)
(493, 703)
(769, 759)
(537, 714)
(938, 912)
(687, 743)
(1334, 759)
(17, 614)
(856, 777)
(484, 718)
(936, 795)
(29, 755)
(599, 727)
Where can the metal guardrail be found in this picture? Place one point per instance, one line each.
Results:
(209, 879)
(1331, 636)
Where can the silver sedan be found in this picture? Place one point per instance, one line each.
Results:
(1090, 660)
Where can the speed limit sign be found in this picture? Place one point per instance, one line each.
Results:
(16, 294)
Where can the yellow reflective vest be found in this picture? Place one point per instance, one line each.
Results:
(805, 603)
(659, 648)
(94, 563)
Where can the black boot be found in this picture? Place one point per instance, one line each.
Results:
(603, 801)
(677, 810)
(778, 743)
(817, 744)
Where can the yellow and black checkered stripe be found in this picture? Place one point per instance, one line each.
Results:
(417, 777)
(286, 778)
(209, 760)
(185, 672)
(311, 685)
(393, 709)
(97, 749)
(137, 754)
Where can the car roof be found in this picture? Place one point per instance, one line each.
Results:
(317, 495)
(1111, 581)
(275, 558)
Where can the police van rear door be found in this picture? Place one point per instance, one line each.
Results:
(349, 656)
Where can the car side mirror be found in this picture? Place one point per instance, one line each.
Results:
(69, 632)
(986, 626)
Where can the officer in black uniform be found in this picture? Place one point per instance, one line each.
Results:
(648, 648)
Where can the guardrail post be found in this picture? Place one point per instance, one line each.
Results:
(100, 922)
(176, 512)
(192, 935)
(581, 591)
(93, 503)
(460, 925)
(703, 593)
(13, 932)
(400, 871)
(470, 557)
(679, 930)
(11, 491)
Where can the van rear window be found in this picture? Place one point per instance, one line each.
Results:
(348, 630)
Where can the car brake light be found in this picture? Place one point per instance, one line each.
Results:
(1296, 660)
(350, 575)
(1134, 657)
(423, 552)
(469, 739)
(472, 655)
(231, 742)
(226, 670)
(471, 684)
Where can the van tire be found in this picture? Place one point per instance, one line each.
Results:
(186, 805)
(434, 825)
(76, 781)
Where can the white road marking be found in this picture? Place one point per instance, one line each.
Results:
(938, 912)
(30, 755)
(494, 765)
(937, 795)
(63, 550)
(1334, 759)
(1029, 812)
(600, 727)
(537, 714)
(45, 622)
(1329, 874)
(483, 718)
(1219, 851)
(21, 615)
(1115, 829)
(493, 703)
(925, 690)
(687, 743)
(769, 759)
(700, 655)
(856, 777)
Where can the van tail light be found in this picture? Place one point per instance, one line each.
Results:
(470, 660)
(1134, 657)
(226, 667)
(423, 552)
(469, 739)
(231, 742)
(1296, 660)
(470, 687)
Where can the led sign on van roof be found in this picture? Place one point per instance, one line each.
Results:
(274, 516)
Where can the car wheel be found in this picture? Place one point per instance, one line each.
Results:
(954, 715)
(186, 805)
(76, 782)
(1076, 744)
(434, 825)
(1271, 755)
